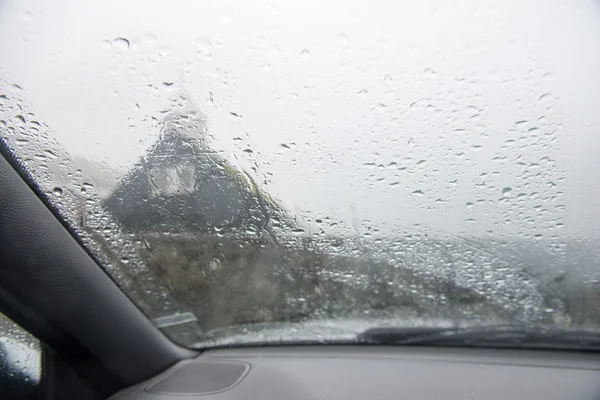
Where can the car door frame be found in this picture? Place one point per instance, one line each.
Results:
(52, 287)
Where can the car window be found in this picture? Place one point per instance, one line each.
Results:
(305, 171)
(20, 361)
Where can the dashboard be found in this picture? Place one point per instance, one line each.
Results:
(375, 372)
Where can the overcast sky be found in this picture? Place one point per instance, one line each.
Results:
(462, 117)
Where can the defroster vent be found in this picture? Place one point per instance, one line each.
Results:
(200, 378)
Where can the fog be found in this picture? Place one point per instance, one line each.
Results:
(462, 118)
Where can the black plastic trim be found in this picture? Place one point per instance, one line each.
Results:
(53, 288)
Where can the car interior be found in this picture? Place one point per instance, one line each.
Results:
(299, 200)
(96, 344)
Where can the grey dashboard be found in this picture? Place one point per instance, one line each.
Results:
(375, 372)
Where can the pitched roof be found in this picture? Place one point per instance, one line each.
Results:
(181, 185)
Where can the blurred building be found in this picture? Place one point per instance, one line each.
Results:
(182, 186)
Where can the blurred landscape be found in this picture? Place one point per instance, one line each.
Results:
(184, 230)
(226, 251)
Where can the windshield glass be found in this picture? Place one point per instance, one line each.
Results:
(278, 170)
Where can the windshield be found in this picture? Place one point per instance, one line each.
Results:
(278, 170)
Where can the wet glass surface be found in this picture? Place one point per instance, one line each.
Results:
(237, 165)
(20, 361)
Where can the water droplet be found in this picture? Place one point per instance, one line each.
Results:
(304, 53)
(50, 154)
(506, 191)
(149, 39)
(521, 124)
(417, 193)
(430, 72)
(121, 43)
(204, 45)
(57, 191)
(27, 16)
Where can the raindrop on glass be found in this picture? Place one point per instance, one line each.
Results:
(121, 43)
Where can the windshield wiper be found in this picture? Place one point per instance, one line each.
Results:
(486, 336)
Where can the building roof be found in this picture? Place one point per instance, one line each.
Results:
(182, 186)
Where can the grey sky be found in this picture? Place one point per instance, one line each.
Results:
(463, 117)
